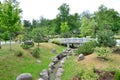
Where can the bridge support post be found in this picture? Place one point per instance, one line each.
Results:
(68, 45)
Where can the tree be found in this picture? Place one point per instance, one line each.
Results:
(37, 35)
(62, 16)
(107, 19)
(64, 29)
(87, 27)
(105, 38)
(11, 17)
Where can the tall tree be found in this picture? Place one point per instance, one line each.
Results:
(87, 27)
(107, 19)
(62, 16)
(11, 17)
(64, 28)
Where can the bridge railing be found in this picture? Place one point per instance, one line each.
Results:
(74, 40)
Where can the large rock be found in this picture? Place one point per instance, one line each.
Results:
(24, 76)
(55, 60)
(52, 65)
(59, 72)
(80, 57)
(44, 75)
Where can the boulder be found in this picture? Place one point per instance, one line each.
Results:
(52, 65)
(80, 57)
(24, 76)
(50, 70)
(55, 60)
(44, 75)
(59, 72)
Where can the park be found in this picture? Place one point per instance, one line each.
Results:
(79, 46)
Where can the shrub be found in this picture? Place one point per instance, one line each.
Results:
(86, 74)
(36, 53)
(103, 52)
(56, 41)
(19, 53)
(27, 45)
(117, 75)
(106, 38)
(87, 48)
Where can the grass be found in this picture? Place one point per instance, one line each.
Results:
(11, 66)
(72, 67)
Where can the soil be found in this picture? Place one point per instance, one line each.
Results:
(103, 75)
(117, 51)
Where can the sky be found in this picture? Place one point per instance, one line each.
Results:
(34, 9)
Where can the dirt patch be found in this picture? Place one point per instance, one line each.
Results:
(105, 75)
(117, 51)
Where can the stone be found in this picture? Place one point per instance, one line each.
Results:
(38, 61)
(24, 76)
(59, 72)
(40, 79)
(61, 66)
(52, 65)
(60, 56)
(54, 51)
(57, 79)
(80, 57)
(44, 74)
(50, 70)
(63, 60)
(55, 60)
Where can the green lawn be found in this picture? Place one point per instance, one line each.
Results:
(11, 66)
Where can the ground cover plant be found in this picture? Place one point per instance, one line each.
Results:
(11, 65)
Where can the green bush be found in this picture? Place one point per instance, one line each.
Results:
(25, 46)
(19, 53)
(87, 48)
(103, 52)
(106, 38)
(117, 75)
(56, 41)
(86, 74)
(36, 53)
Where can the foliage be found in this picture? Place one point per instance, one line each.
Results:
(36, 53)
(87, 27)
(87, 48)
(26, 46)
(6, 36)
(55, 41)
(107, 19)
(103, 52)
(10, 17)
(117, 75)
(86, 74)
(37, 35)
(64, 29)
(106, 38)
(19, 53)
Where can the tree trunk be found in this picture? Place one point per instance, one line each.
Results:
(0, 45)
(38, 45)
(10, 42)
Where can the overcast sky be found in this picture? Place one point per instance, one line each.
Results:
(33, 9)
